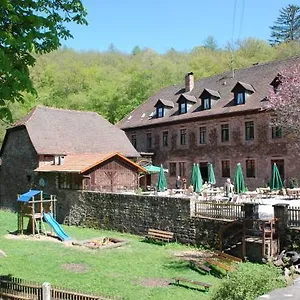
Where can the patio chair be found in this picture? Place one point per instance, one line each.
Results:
(284, 193)
(291, 194)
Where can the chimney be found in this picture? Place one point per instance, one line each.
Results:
(189, 81)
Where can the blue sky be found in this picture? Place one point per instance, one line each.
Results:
(165, 24)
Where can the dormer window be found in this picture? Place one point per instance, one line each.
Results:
(240, 98)
(162, 107)
(206, 103)
(241, 92)
(160, 111)
(209, 98)
(182, 108)
(185, 102)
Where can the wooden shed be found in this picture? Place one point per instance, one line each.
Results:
(110, 172)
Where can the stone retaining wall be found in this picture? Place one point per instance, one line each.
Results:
(136, 213)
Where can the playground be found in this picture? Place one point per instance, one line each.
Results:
(39, 208)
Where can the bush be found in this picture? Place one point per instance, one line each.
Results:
(293, 183)
(249, 281)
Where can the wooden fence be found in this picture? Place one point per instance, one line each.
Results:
(17, 289)
(226, 211)
(293, 216)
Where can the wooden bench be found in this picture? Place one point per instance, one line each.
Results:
(206, 286)
(220, 265)
(160, 235)
(227, 256)
(197, 265)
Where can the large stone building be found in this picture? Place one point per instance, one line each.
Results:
(63, 150)
(221, 120)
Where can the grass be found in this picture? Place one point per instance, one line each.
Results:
(116, 272)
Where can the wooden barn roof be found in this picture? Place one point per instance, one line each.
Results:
(81, 163)
(256, 78)
(61, 131)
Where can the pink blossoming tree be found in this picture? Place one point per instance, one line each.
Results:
(284, 100)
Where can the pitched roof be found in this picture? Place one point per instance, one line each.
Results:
(246, 86)
(258, 77)
(164, 102)
(60, 131)
(188, 98)
(80, 163)
(212, 92)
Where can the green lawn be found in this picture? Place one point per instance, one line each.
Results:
(114, 272)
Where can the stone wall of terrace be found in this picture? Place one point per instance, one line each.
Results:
(136, 213)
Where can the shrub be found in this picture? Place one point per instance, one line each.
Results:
(293, 183)
(249, 281)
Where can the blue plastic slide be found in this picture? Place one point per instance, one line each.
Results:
(56, 227)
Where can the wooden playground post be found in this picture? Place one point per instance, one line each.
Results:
(33, 217)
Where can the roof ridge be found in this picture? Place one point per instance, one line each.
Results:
(24, 120)
(271, 62)
(259, 65)
(67, 109)
(30, 116)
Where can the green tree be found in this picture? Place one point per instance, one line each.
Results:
(287, 25)
(210, 43)
(27, 27)
(136, 50)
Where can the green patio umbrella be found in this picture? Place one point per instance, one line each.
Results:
(162, 182)
(239, 182)
(154, 169)
(211, 174)
(193, 175)
(276, 182)
(198, 180)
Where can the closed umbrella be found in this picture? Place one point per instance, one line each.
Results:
(239, 182)
(162, 182)
(193, 175)
(198, 181)
(276, 182)
(211, 174)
